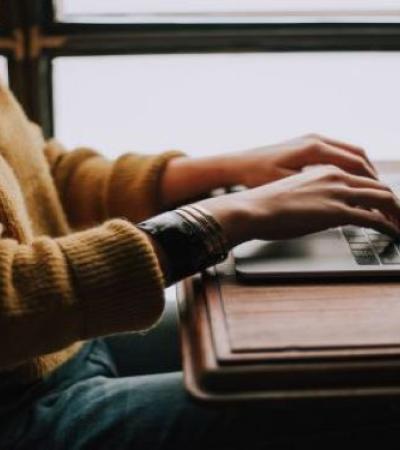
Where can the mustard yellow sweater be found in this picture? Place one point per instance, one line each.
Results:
(59, 287)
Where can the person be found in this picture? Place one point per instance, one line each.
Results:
(87, 248)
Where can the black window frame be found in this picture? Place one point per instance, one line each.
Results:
(46, 39)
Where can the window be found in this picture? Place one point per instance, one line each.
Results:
(3, 70)
(220, 11)
(211, 103)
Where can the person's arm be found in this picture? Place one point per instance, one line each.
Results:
(54, 292)
(199, 235)
(137, 186)
(93, 189)
(312, 201)
(188, 178)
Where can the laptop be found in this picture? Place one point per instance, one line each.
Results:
(345, 252)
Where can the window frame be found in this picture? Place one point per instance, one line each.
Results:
(46, 39)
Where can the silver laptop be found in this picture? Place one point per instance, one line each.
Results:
(341, 252)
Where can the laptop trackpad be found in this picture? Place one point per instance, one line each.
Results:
(324, 251)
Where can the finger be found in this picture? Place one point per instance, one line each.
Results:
(364, 182)
(328, 154)
(355, 149)
(371, 219)
(385, 202)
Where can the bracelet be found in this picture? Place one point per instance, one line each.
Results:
(211, 230)
(191, 238)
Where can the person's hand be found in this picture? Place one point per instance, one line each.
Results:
(314, 200)
(262, 165)
(186, 178)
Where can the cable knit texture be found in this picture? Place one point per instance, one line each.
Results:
(72, 264)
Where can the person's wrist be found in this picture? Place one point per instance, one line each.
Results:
(225, 169)
(171, 181)
(233, 215)
(218, 170)
(189, 240)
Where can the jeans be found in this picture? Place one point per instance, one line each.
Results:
(106, 398)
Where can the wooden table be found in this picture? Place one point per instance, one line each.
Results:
(297, 340)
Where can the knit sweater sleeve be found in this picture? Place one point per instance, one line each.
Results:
(93, 188)
(54, 292)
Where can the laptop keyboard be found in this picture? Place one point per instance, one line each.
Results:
(371, 248)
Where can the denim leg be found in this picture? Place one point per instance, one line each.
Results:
(21, 404)
(156, 351)
(153, 412)
(144, 412)
(86, 405)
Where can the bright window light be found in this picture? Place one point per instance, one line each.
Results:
(3, 70)
(205, 104)
(227, 10)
